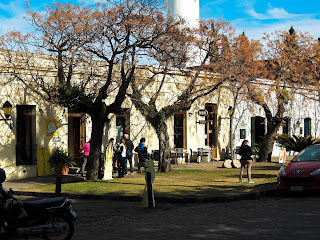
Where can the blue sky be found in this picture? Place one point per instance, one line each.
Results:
(254, 17)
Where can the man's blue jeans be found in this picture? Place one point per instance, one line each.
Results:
(131, 166)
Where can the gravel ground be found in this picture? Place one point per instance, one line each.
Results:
(269, 218)
(281, 218)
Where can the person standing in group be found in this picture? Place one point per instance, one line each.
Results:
(130, 148)
(141, 149)
(110, 149)
(122, 158)
(246, 160)
(85, 150)
(115, 157)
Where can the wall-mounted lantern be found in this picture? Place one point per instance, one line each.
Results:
(298, 124)
(230, 111)
(7, 107)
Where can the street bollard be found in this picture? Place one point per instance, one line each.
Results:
(149, 189)
(148, 194)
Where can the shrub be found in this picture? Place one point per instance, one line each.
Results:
(60, 157)
(296, 143)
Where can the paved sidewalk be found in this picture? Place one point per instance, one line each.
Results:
(18, 185)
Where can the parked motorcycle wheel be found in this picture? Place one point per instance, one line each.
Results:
(68, 228)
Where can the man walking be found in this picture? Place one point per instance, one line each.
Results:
(130, 147)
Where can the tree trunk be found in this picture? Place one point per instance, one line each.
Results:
(266, 147)
(95, 147)
(268, 142)
(230, 137)
(164, 148)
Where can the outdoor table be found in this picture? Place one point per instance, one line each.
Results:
(178, 154)
(204, 152)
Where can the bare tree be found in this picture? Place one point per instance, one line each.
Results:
(84, 57)
(187, 69)
(287, 66)
(245, 64)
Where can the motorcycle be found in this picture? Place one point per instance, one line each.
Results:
(50, 218)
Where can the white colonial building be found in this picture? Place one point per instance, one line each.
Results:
(35, 127)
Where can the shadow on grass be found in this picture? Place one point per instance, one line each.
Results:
(261, 176)
(192, 194)
(214, 191)
(263, 168)
(127, 183)
(192, 179)
(174, 190)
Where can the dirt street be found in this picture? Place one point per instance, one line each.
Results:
(281, 218)
(272, 218)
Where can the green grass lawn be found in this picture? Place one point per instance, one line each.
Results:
(184, 181)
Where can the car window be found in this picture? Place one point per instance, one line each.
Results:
(308, 154)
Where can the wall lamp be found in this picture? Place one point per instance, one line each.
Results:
(298, 123)
(7, 107)
(230, 111)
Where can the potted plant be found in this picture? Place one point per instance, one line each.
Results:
(60, 160)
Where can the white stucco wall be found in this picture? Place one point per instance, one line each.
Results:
(301, 106)
(17, 94)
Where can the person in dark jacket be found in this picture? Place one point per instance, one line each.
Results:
(130, 147)
(246, 160)
(141, 149)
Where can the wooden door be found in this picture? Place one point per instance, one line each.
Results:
(76, 134)
(211, 127)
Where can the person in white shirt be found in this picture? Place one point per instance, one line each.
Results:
(122, 158)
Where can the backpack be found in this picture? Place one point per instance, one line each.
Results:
(128, 154)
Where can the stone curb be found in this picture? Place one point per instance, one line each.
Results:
(229, 198)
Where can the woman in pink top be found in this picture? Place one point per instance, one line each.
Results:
(85, 151)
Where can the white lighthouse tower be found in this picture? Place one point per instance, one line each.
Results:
(187, 9)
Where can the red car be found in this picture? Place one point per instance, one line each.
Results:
(302, 172)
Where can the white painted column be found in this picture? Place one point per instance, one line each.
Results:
(188, 9)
